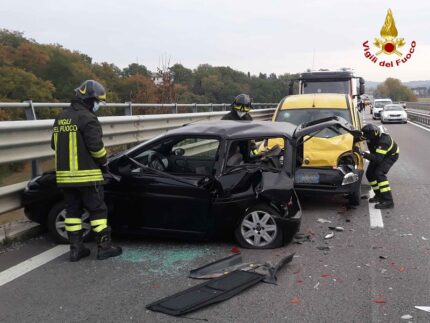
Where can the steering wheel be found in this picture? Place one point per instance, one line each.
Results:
(158, 161)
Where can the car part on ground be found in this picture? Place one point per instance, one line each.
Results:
(207, 293)
(228, 264)
(221, 288)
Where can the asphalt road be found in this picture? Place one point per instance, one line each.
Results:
(350, 282)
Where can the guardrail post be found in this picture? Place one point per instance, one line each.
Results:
(195, 108)
(212, 108)
(128, 111)
(175, 108)
(223, 107)
(30, 114)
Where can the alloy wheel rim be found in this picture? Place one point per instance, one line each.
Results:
(258, 228)
(60, 225)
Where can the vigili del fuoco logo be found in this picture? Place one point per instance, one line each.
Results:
(388, 45)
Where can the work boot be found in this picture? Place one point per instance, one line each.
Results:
(384, 205)
(105, 248)
(376, 198)
(77, 248)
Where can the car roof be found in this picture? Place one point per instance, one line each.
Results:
(388, 99)
(394, 105)
(316, 100)
(228, 129)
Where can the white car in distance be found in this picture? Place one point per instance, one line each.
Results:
(394, 113)
(378, 106)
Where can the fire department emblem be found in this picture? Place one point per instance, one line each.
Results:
(389, 43)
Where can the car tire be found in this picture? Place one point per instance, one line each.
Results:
(269, 230)
(355, 197)
(56, 226)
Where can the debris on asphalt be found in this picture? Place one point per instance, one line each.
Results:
(316, 285)
(234, 249)
(347, 220)
(379, 301)
(299, 238)
(383, 270)
(405, 234)
(324, 248)
(406, 317)
(424, 238)
(383, 257)
(321, 220)
(337, 228)
(423, 308)
(295, 300)
(329, 236)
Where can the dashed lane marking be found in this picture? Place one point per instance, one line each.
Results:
(375, 215)
(28, 265)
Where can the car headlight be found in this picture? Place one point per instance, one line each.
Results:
(350, 178)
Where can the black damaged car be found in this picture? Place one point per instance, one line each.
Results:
(200, 181)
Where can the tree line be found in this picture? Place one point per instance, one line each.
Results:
(50, 72)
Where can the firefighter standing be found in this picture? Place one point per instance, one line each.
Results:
(240, 108)
(384, 152)
(79, 156)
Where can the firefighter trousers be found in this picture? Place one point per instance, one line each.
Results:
(81, 199)
(377, 176)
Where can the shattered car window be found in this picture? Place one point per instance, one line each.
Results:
(259, 151)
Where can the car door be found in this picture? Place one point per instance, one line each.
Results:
(164, 203)
(171, 197)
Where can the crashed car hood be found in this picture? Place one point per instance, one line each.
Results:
(326, 151)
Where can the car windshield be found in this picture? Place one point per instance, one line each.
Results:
(393, 108)
(299, 116)
(326, 87)
(381, 104)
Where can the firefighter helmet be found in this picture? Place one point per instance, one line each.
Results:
(242, 103)
(91, 89)
(370, 131)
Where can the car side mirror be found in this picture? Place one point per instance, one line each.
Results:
(362, 87)
(124, 166)
(179, 152)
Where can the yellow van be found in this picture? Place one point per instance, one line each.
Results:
(328, 163)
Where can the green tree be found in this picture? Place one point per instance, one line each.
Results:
(395, 90)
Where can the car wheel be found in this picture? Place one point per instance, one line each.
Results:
(57, 227)
(355, 197)
(258, 229)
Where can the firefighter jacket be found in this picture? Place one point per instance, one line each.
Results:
(79, 150)
(232, 115)
(382, 147)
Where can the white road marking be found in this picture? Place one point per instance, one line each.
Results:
(28, 265)
(375, 215)
(419, 126)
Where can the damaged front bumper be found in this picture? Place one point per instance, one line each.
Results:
(331, 180)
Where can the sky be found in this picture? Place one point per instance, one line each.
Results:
(279, 36)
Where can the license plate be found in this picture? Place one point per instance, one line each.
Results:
(307, 178)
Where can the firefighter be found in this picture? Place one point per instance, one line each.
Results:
(79, 156)
(240, 108)
(384, 152)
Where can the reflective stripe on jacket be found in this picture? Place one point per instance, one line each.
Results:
(79, 150)
(383, 147)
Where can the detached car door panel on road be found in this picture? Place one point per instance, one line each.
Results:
(204, 181)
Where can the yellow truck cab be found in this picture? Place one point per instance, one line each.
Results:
(328, 163)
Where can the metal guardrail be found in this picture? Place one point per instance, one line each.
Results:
(29, 140)
(422, 118)
(31, 107)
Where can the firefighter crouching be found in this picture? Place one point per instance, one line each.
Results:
(384, 152)
(79, 156)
